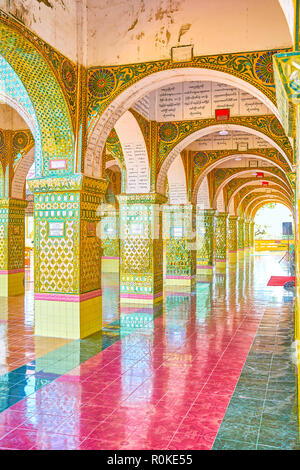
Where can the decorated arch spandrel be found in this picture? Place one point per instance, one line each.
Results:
(268, 126)
(53, 119)
(254, 190)
(256, 204)
(112, 90)
(235, 186)
(248, 203)
(106, 83)
(224, 177)
(14, 149)
(205, 162)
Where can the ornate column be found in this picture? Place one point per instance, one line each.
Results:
(179, 230)
(247, 236)
(141, 248)
(221, 240)
(251, 235)
(232, 238)
(12, 246)
(110, 239)
(286, 75)
(205, 239)
(241, 236)
(68, 301)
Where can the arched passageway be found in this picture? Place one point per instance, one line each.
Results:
(140, 183)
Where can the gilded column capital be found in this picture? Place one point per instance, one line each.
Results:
(221, 237)
(147, 198)
(222, 214)
(206, 212)
(77, 182)
(287, 84)
(7, 203)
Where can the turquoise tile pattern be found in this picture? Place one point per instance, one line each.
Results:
(211, 368)
(263, 411)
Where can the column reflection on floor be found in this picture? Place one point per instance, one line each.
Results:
(208, 368)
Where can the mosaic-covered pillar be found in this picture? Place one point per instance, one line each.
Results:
(247, 236)
(232, 238)
(241, 236)
(205, 239)
(68, 300)
(221, 240)
(251, 235)
(110, 240)
(179, 232)
(141, 248)
(12, 252)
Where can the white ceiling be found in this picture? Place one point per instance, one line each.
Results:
(128, 31)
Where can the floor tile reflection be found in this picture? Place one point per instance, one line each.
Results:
(210, 368)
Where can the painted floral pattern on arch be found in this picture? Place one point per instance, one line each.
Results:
(264, 68)
(102, 83)
(168, 132)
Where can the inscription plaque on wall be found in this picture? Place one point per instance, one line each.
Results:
(16, 230)
(57, 164)
(56, 229)
(109, 231)
(177, 232)
(91, 229)
(136, 229)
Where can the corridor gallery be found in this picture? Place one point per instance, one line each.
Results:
(138, 142)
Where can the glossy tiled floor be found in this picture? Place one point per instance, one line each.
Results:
(208, 369)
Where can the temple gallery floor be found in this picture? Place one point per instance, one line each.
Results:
(211, 368)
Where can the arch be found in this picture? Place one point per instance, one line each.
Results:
(20, 174)
(2, 182)
(238, 174)
(177, 182)
(289, 13)
(216, 163)
(17, 97)
(265, 199)
(230, 208)
(100, 125)
(220, 203)
(22, 63)
(258, 205)
(135, 154)
(111, 163)
(203, 199)
(258, 191)
(206, 131)
(250, 183)
(260, 199)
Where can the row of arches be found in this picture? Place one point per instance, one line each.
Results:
(228, 166)
(59, 141)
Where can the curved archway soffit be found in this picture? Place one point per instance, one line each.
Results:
(123, 86)
(261, 191)
(257, 198)
(238, 174)
(20, 174)
(209, 130)
(65, 71)
(252, 194)
(257, 205)
(250, 183)
(200, 175)
(49, 103)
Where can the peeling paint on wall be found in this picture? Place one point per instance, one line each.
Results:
(184, 29)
